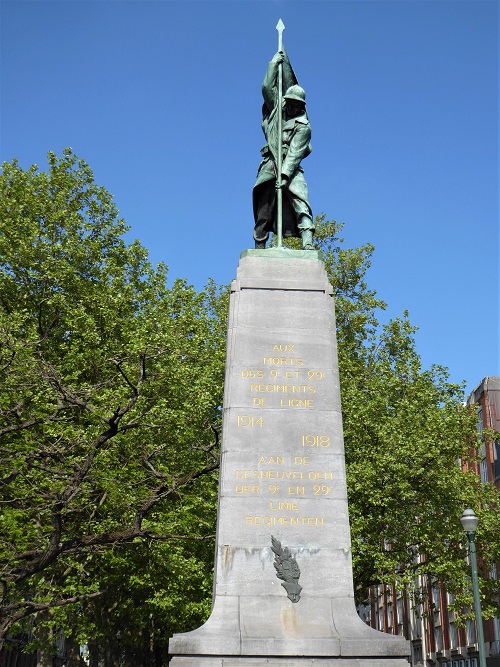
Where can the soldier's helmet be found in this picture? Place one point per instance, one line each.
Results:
(296, 93)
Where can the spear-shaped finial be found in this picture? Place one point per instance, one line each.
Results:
(280, 27)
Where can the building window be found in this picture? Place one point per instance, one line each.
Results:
(439, 638)
(381, 618)
(417, 653)
(480, 422)
(483, 465)
(496, 629)
(453, 635)
(471, 631)
(496, 459)
(435, 598)
(399, 612)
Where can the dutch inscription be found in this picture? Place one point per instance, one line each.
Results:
(285, 474)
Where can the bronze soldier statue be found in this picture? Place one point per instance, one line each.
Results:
(296, 135)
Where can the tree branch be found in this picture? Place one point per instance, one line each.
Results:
(27, 607)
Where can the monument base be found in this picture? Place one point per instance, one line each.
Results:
(283, 521)
(225, 661)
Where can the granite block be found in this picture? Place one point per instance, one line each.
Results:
(282, 476)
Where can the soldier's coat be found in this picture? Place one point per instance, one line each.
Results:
(296, 135)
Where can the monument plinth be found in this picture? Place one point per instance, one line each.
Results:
(283, 589)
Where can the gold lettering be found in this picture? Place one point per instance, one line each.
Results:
(247, 490)
(296, 490)
(244, 421)
(296, 475)
(301, 460)
(276, 460)
(267, 520)
(282, 388)
(251, 373)
(316, 441)
(280, 506)
(321, 490)
(303, 389)
(321, 475)
(283, 348)
(315, 375)
(283, 361)
(296, 403)
(314, 521)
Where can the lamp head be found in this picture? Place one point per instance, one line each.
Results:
(469, 521)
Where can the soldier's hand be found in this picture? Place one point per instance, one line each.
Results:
(279, 57)
(284, 181)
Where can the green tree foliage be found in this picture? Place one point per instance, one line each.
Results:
(111, 386)
(110, 398)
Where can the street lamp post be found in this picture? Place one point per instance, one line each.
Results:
(469, 523)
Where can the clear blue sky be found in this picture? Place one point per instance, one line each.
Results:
(163, 100)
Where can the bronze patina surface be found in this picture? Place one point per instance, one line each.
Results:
(280, 195)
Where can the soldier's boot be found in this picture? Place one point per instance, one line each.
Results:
(307, 239)
(260, 245)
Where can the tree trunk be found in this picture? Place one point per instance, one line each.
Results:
(73, 658)
(93, 654)
(45, 653)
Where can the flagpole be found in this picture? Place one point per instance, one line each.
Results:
(279, 206)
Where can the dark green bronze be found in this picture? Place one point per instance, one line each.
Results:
(280, 196)
(286, 569)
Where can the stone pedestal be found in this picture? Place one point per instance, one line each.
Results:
(283, 476)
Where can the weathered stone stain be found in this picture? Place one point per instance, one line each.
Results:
(227, 557)
(289, 621)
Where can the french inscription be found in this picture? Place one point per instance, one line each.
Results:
(283, 361)
(251, 373)
(283, 388)
(299, 381)
(259, 402)
(296, 403)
